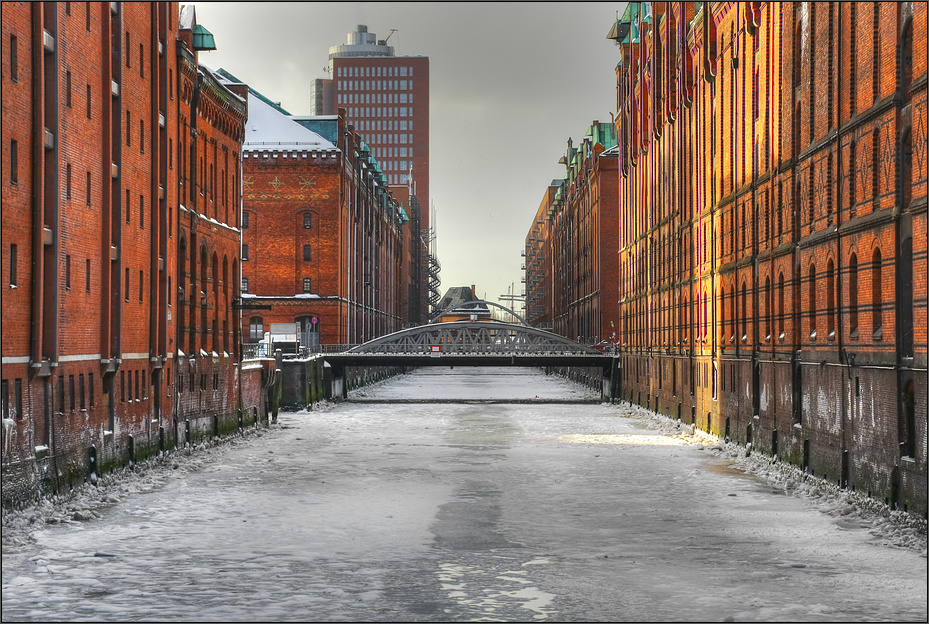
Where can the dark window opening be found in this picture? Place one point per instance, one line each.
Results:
(14, 162)
(14, 59)
(13, 264)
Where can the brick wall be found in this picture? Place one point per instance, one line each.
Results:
(324, 242)
(89, 357)
(773, 245)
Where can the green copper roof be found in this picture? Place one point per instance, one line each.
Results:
(604, 134)
(276, 105)
(203, 39)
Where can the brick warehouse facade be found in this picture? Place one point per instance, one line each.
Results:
(119, 159)
(324, 236)
(583, 215)
(772, 237)
(538, 262)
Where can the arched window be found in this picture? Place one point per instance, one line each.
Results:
(875, 164)
(812, 301)
(852, 178)
(722, 318)
(853, 296)
(204, 267)
(905, 297)
(830, 299)
(706, 313)
(215, 301)
(697, 335)
(877, 296)
(744, 313)
(256, 329)
(780, 306)
(182, 296)
(685, 320)
(768, 313)
(732, 314)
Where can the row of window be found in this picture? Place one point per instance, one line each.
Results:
(12, 407)
(80, 391)
(393, 152)
(812, 297)
(368, 125)
(126, 389)
(380, 71)
(357, 112)
(69, 188)
(80, 394)
(375, 98)
(14, 67)
(191, 378)
(374, 85)
(247, 221)
(14, 275)
(307, 285)
(734, 308)
(395, 165)
(207, 189)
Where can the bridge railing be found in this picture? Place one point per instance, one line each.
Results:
(254, 350)
(471, 349)
(250, 351)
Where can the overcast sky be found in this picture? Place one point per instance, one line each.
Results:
(510, 84)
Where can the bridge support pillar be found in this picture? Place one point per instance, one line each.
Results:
(336, 384)
(606, 385)
(611, 381)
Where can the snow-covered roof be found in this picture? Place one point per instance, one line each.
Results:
(187, 17)
(268, 130)
(222, 79)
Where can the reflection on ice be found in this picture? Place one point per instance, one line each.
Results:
(623, 439)
(479, 594)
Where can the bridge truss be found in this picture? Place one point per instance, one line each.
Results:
(473, 338)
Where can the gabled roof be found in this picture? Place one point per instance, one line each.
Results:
(267, 129)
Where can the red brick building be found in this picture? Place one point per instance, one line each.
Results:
(323, 239)
(772, 237)
(582, 229)
(538, 262)
(102, 191)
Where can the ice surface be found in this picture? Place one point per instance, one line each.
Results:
(425, 512)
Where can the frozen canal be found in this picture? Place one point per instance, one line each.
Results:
(461, 511)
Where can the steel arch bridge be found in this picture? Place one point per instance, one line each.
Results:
(474, 343)
(473, 338)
